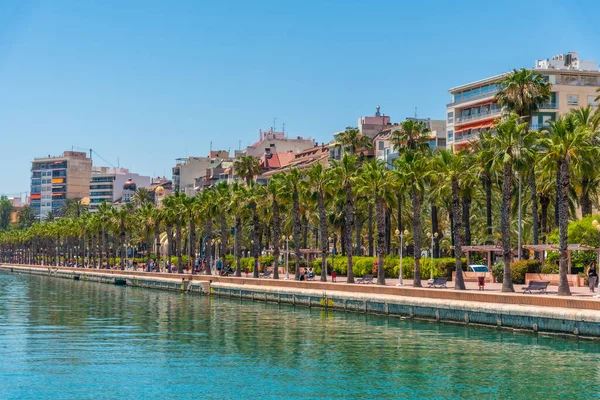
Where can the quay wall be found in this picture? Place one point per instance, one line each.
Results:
(544, 314)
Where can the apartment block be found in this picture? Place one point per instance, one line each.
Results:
(382, 142)
(473, 107)
(272, 142)
(55, 179)
(109, 184)
(187, 170)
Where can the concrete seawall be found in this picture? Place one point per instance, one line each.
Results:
(578, 317)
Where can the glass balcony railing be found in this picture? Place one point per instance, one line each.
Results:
(549, 106)
(466, 138)
(489, 93)
(474, 117)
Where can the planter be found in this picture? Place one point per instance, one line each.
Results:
(469, 276)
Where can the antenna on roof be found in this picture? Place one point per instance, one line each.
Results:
(211, 145)
(415, 112)
(283, 128)
(274, 122)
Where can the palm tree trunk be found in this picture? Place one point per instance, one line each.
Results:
(488, 203)
(380, 211)
(557, 196)
(169, 230)
(507, 285)
(238, 247)
(388, 228)
(276, 238)
(349, 214)
(323, 234)
(296, 229)
(435, 227)
(460, 283)
(586, 202)
(255, 233)
(416, 200)
(563, 218)
(207, 246)
(122, 244)
(178, 244)
(223, 240)
(359, 224)
(370, 230)
(535, 225)
(466, 205)
(545, 203)
(192, 239)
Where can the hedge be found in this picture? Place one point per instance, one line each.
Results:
(518, 269)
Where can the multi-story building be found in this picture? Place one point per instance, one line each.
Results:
(107, 184)
(271, 141)
(473, 108)
(371, 126)
(188, 169)
(55, 179)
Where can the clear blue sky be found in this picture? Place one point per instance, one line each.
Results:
(150, 81)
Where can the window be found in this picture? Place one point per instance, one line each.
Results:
(380, 145)
(573, 100)
(592, 101)
(451, 117)
(450, 135)
(457, 96)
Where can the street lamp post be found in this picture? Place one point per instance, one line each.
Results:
(433, 237)
(287, 255)
(400, 235)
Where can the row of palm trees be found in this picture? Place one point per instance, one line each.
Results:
(358, 200)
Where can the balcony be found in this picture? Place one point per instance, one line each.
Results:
(489, 93)
(474, 117)
(549, 106)
(466, 138)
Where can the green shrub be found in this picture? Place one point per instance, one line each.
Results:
(550, 268)
(498, 272)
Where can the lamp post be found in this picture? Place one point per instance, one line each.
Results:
(432, 237)
(287, 255)
(400, 235)
(330, 239)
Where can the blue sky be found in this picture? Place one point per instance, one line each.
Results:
(146, 82)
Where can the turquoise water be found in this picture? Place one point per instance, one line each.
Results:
(63, 339)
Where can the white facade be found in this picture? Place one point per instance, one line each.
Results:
(106, 184)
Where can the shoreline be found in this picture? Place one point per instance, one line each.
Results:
(577, 317)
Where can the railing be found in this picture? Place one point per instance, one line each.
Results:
(473, 117)
(549, 106)
(466, 138)
(471, 98)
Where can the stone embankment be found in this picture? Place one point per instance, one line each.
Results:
(536, 313)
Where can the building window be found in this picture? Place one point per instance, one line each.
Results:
(450, 136)
(380, 145)
(451, 117)
(592, 101)
(573, 100)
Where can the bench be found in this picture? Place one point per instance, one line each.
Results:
(365, 279)
(538, 286)
(437, 282)
(267, 274)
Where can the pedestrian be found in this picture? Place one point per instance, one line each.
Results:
(592, 274)
(333, 275)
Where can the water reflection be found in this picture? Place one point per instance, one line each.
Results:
(72, 339)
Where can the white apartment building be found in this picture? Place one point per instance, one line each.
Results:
(107, 184)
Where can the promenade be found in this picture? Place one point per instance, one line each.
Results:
(572, 315)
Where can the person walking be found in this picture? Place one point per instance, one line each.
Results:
(592, 274)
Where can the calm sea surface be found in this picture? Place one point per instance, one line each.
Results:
(62, 339)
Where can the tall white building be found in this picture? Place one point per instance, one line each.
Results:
(107, 184)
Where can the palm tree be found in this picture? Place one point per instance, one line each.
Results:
(568, 143)
(239, 209)
(508, 143)
(319, 180)
(343, 177)
(352, 139)
(274, 190)
(588, 177)
(223, 198)
(141, 196)
(484, 156)
(377, 181)
(247, 168)
(523, 92)
(454, 168)
(294, 180)
(413, 169)
(412, 136)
